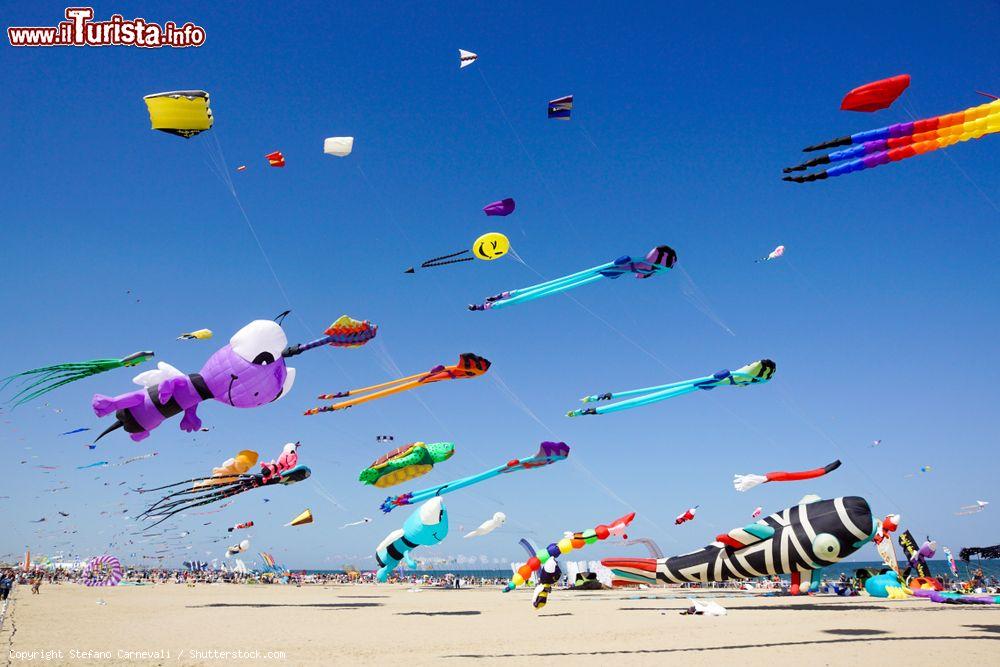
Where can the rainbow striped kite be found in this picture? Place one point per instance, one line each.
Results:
(898, 142)
(268, 561)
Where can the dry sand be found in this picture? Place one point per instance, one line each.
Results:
(349, 625)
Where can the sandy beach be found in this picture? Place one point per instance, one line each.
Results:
(346, 625)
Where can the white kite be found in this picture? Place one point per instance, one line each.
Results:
(756, 512)
(489, 525)
(338, 146)
(465, 58)
(357, 523)
(774, 254)
(237, 548)
(973, 509)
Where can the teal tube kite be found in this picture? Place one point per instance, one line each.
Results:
(756, 373)
(657, 260)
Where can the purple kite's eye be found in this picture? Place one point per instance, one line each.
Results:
(263, 359)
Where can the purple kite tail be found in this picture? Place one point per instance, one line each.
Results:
(393, 502)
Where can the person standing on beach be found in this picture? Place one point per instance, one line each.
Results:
(6, 582)
(36, 584)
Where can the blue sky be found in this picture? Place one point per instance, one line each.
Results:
(881, 316)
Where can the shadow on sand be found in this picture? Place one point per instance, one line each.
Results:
(467, 612)
(734, 647)
(264, 605)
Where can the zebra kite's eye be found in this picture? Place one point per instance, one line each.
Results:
(826, 547)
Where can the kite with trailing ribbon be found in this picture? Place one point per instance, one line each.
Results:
(469, 366)
(548, 453)
(284, 470)
(657, 260)
(758, 372)
(47, 378)
(247, 373)
(747, 482)
(488, 247)
(898, 142)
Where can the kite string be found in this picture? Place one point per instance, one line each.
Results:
(527, 153)
(504, 388)
(220, 158)
(911, 110)
(798, 412)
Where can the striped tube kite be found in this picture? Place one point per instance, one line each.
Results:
(657, 260)
(103, 571)
(756, 373)
(548, 453)
(898, 142)
(747, 482)
(469, 366)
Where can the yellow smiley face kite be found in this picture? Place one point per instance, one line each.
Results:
(490, 246)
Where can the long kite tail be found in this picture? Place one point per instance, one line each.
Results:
(747, 482)
(48, 378)
(444, 260)
(898, 142)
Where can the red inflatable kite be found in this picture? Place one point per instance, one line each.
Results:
(875, 95)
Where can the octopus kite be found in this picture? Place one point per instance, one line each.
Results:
(548, 453)
(247, 373)
(469, 366)
(285, 470)
(657, 260)
(898, 142)
(758, 372)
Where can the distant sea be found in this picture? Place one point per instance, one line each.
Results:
(938, 567)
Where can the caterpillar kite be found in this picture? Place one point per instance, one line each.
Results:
(898, 142)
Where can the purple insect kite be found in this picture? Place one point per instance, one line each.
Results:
(247, 373)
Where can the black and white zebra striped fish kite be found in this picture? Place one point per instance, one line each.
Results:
(798, 541)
